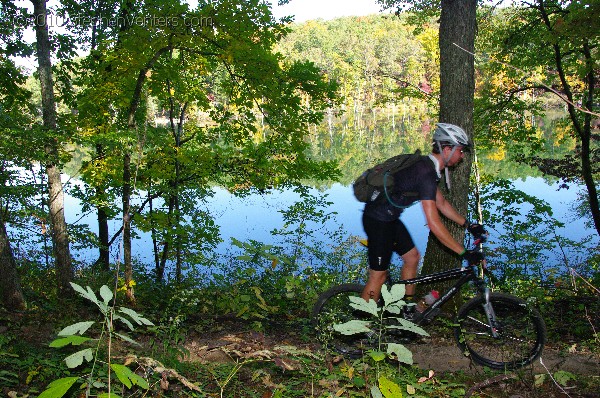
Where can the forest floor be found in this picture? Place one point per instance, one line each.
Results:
(437, 353)
(230, 341)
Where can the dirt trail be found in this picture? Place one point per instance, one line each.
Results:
(444, 356)
(437, 354)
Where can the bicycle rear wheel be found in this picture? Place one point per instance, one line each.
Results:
(521, 332)
(333, 307)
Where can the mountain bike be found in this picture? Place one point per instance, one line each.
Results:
(494, 329)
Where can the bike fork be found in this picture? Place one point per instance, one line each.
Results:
(490, 314)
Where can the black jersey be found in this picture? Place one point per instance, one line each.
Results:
(421, 178)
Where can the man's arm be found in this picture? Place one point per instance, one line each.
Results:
(447, 209)
(437, 227)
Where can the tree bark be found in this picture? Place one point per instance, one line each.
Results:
(10, 283)
(126, 10)
(457, 81)
(127, 227)
(103, 236)
(60, 237)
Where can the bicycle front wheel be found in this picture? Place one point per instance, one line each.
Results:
(520, 338)
(333, 307)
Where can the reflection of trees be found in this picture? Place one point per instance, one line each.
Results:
(357, 148)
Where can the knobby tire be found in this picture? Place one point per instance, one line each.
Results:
(521, 332)
(333, 307)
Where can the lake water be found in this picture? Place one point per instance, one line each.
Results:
(253, 217)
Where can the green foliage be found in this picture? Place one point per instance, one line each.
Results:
(537, 50)
(531, 258)
(72, 335)
(531, 246)
(393, 304)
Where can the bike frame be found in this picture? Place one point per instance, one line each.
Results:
(464, 275)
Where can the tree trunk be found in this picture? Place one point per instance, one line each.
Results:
(127, 227)
(60, 238)
(126, 11)
(457, 80)
(103, 236)
(10, 284)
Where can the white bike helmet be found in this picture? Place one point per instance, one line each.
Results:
(450, 134)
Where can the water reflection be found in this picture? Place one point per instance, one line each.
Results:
(255, 216)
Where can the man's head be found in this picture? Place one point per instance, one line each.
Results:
(446, 134)
(451, 142)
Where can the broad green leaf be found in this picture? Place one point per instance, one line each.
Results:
(139, 381)
(106, 294)
(128, 377)
(393, 295)
(122, 373)
(395, 308)
(127, 339)
(361, 304)
(140, 320)
(398, 291)
(78, 288)
(377, 356)
(103, 308)
(352, 327)
(58, 388)
(387, 296)
(107, 395)
(126, 321)
(88, 294)
(539, 379)
(562, 377)
(75, 340)
(76, 328)
(408, 325)
(76, 359)
(389, 389)
(92, 295)
(402, 353)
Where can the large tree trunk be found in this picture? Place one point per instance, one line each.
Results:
(103, 236)
(60, 238)
(126, 11)
(127, 227)
(10, 284)
(457, 80)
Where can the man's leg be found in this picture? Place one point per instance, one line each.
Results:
(380, 249)
(410, 261)
(375, 280)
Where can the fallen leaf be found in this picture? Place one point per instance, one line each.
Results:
(424, 379)
(287, 364)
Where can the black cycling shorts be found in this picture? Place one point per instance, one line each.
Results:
(385, 238)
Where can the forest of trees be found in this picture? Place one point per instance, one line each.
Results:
(140, 108)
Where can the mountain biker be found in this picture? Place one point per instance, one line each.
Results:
(381, 220)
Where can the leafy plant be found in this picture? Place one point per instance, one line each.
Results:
(74, 335)
(386, 318)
